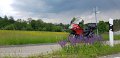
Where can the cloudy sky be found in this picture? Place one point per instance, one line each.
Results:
(58, 11)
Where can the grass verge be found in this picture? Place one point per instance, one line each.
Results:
(82, 51)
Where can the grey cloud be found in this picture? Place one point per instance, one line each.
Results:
(34, 6)
(63, 8)
(54, 6)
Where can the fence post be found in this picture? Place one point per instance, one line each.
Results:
(111, 39)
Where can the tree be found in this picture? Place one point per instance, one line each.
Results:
(36, 25)
(102, 27)
(116, 25)
(1, 18)
(4, 22)
(33, 24)
(11, 20)
(5, 17)
(10, 27)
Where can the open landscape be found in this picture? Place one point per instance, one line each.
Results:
(84, 51)
(59, 28)
(21, 42)
(11, 37)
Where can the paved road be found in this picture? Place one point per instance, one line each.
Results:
(111, 56)
(117, 33)
(27, 50)
(115, 42)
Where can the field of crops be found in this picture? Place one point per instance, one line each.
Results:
(10, 37)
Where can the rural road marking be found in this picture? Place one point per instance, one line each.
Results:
(24, 51)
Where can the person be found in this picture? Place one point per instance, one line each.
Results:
(75, 26)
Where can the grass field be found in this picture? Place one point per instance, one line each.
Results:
(8, 37)
(106, 36)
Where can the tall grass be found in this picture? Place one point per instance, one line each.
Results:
(83, 51)
(30, 37)
(11, 37)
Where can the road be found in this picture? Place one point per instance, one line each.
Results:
(117, 33)
(27, 50)
(115, 42)
(111, 56)
(35, 49)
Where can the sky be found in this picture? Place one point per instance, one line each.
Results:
(61, 11)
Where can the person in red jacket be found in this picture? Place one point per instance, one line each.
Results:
(75, 26)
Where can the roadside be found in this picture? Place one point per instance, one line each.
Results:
(33, 49)
(111, 56)
(117, 33)
(115, 42)
(28, 50)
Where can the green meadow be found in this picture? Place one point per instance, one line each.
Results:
(10, 37)
(13, 37)
(105, 36)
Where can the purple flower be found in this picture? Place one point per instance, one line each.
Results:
(91, 39)
(72, 40)
(86, 39)
(62, 43)
(75, 39)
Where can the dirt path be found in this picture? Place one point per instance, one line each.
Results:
(28, 50)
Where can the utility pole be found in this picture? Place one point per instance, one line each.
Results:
(96, 12)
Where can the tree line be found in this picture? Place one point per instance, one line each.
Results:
(116, 25)
(104, 26)
(8, 23)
